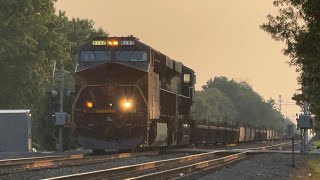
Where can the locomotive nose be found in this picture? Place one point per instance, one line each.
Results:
(111, 71)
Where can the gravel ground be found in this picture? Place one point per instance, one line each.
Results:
(45, 173)
(78, 169)
(15, 155)
(200, 149)
(246, 145)
(263, 166)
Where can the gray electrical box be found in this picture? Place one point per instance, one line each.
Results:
(61, 118)
(305, 122)
(15, 131)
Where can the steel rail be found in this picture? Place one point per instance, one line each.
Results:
(20, 164)
(172, 166)
(121, 172)
(4, 162)
(203, 166)
(193, 168)
(23, 164)
(278, 146)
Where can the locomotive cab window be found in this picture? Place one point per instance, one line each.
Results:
(95, 56)
(186, 78)
(133, 56)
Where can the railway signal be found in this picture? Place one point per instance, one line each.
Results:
(304, 122)
(60, 117)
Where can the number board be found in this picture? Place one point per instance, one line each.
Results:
(99, 43)
(127, 43)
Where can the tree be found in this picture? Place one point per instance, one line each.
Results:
(236, 101)
(241, 94)
(32, 38)
(298, 25)
(213, 104)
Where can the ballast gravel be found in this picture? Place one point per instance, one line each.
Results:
(47, 173)
(16, 155)
(262, 166)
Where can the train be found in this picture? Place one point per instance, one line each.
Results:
(129, 95)
(213, 133)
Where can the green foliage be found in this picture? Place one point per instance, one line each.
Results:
(213, 104)
(229, 101)
(33, 38)
(298, 25)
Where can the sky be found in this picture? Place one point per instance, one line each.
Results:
(213, 37)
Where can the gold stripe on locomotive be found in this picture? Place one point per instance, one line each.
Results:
(99, 111)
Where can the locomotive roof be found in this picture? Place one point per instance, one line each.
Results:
(137, 40)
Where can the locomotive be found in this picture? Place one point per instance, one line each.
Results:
(129, 95)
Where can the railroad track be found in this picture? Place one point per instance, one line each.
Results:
(23, 164)
(169, 168)
(153, 169)
(239, 145)
(280, 146)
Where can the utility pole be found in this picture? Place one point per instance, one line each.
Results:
(280, 103)
(286, 109)
(280, 109)
(305, 130)
(60, 127)
(60, 117)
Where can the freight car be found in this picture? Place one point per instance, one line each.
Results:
(129, 95)
(207, 133)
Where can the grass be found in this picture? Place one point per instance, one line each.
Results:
(314, 165)
(311, 169)
(313, 145)
(314, 169)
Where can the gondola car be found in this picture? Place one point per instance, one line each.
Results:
(212, 134)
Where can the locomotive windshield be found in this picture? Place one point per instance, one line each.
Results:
(131, 56)
(95, 55)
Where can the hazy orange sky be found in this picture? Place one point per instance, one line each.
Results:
(215, 38)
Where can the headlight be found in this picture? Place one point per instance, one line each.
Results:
(89, 104)
(113, 43)
(126, 104)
